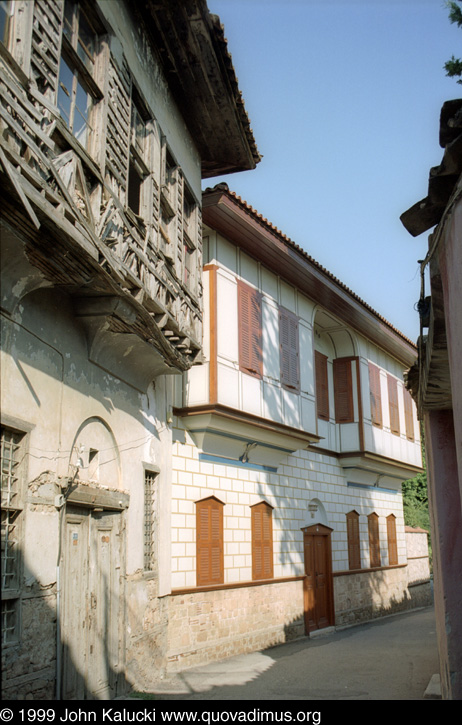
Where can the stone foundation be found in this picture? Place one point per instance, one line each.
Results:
(366, 595)
(211, 625)
(29, 668)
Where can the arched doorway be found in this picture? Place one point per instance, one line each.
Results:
(318, 590)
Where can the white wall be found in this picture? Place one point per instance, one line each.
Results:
(266, 397)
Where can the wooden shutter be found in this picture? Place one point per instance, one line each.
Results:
(250, 330)
(409, 415)
(393, 404)
(374, 539)
(343, 391)
(354, 552)
(209, 542)
(322, 385)
(392, 542)
(376, 397)
(262, 541)
(289, 350)
(118, 121)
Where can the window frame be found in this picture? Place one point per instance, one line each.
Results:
(353, 540)
(250, 319)
(7, 13)
(374, 540)
(393, 404)
(209, 548)
(82, 74)
(12, 518)
(322, 385)
(392, 540)
(262, 541)
(375, 395)
(150, 483)
(409, 415)
(138, 152)
(189, 271)
(343, 390)
(289, 350)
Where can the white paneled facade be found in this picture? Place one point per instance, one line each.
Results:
(244, 437)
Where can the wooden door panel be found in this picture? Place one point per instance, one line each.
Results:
(91, 605)
(74, 610)
(318, 585)
(309, 586)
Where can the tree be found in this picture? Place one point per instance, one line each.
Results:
(453, 67)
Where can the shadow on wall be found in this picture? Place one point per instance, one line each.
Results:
(31, 658)
(364, 596)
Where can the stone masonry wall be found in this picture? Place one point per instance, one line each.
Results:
(29, 667)
(417, 556)
(211, 625)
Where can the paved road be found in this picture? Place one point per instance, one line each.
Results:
(389, 659)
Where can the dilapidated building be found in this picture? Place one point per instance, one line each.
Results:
(435, 382)
(111, 113)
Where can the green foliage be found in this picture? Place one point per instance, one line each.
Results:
(415, 500)
(415, 496)
(453, 67)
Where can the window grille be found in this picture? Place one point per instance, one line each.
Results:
(149, 519)
(10, 460)
(9, 621)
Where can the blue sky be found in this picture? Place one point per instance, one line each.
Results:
(344, 98)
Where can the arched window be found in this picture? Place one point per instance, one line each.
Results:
(209, 542)
(262, 541)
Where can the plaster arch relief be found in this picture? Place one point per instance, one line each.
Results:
(331, 336)
(315, 514)
(95, 456)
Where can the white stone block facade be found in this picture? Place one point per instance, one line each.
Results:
(304, 476)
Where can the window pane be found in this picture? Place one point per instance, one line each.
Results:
(9, 621)
(68, 19)
(66, 78)
(86, 42)
(81, 126)
(5, 9)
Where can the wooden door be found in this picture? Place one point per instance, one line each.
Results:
(91, 604)
(318, 584)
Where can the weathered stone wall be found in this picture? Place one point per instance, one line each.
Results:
(146, 626)
(29, 667)
(417, 556)
(210, 625)
(365, 595)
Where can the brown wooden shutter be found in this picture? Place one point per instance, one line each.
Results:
(343, 391)
(289, 350)
(354, 552)
(250, 330)
(262, 541)
(409, 415)
(376, 397)
(374, 539)
(322, 385)
(392, 541)
(209, 542)
(393, 404)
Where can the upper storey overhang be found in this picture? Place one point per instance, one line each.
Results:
(198, 67)
(226, 213)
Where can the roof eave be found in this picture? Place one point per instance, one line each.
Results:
(233, 219)
(193, 51)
